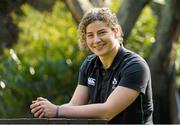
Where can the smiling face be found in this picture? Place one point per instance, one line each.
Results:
(101, 39)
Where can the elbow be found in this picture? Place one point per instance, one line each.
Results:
(106, 115)
(106, 112)
(109, 118)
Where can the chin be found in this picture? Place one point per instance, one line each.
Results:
(100, 54)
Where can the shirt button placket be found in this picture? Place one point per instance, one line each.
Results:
(104, 85)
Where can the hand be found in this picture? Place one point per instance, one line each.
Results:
(43, 108)
(37, 109)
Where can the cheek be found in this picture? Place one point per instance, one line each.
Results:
(88, 45)
(107, 37)
(88, 42)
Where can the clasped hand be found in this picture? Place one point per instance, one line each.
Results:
(42, 108)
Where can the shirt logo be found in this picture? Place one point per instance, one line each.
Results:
(91, 81)
(114, 83)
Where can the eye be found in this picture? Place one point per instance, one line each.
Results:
(102, 32)
(89, 35)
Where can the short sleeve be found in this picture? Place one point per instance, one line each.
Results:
(82, 78)
(84, 69)
(136, 76)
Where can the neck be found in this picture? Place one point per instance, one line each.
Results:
(108, 59)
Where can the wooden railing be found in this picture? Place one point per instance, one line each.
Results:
(51, 121)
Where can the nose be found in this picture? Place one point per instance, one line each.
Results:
(97, 39)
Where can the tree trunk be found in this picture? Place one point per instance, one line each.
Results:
(162, 63)
(129, 13)
(8, 30)
(8, 33)
(174, 95)
(100, 3)
(75, 8)
(79, 7)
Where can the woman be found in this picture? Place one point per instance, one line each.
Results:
(114, 83)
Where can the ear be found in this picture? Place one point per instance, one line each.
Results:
(116, 32)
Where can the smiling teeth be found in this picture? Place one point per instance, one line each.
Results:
(99, 47)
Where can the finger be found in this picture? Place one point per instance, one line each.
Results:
(41, 99)
(42, 115)
(37, 114)
(34, 110)
(34, 101)
(34, 105)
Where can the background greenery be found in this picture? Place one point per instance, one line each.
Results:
(46, 59)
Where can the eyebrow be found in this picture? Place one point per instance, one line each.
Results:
(101, 30)
(97, 31)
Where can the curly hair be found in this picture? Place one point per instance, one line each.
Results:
(97, 14)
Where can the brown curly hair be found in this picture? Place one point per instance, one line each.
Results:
(97, 14)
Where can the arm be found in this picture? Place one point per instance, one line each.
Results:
(42, 107)
(119, 99)
(80, 96)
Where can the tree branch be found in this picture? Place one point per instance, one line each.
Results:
(100, 3)
(129, 13)
(162, 62)
(75, 8)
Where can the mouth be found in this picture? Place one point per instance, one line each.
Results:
(99, 47)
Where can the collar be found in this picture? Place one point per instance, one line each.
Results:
(116, 62)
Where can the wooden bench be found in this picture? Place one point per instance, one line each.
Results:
(51, 121)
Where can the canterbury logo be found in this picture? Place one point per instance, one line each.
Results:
(91, 81)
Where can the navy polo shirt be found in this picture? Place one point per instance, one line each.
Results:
(128, 70)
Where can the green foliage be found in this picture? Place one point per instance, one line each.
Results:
(45, 61)
(115, 4)
(177, 64)
(142, 36)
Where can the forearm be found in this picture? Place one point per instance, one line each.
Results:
(70, 104)
(84, 111)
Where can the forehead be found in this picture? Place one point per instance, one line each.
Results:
(97, 25)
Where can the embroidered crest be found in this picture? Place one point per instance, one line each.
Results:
(114, 83)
